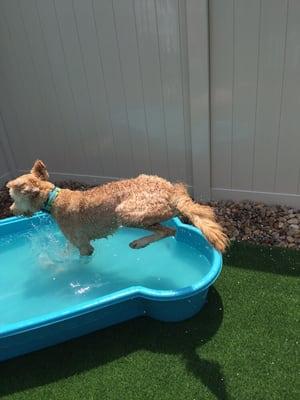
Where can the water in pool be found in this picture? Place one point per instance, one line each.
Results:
(38, 274)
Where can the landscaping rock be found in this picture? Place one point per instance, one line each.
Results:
(293, 221)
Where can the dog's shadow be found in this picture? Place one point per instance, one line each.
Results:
(101, 347)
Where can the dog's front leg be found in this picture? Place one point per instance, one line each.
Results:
(86, 249)
(82, 244)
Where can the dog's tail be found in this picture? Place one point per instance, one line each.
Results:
(201, 216)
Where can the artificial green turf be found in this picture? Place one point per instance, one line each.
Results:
(242, 345)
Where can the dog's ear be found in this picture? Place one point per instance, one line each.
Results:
(39, 170)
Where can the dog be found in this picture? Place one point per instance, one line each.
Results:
(141, 202)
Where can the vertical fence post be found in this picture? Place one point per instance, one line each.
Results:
(198, 61)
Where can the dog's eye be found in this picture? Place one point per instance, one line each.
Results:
(30, 190)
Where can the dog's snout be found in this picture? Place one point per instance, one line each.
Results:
(12, 208)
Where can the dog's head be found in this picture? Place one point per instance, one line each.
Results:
(30, 191)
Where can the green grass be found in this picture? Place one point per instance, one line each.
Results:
(242, 345)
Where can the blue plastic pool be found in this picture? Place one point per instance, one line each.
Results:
(49, 295)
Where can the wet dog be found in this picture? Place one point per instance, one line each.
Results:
(142, 202)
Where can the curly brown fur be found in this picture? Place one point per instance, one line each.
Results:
(141, 202)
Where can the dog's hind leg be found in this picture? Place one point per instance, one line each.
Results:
(160, 232)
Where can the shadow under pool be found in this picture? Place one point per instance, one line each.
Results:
(99, 348)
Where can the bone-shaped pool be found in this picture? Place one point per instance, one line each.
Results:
(48, 293)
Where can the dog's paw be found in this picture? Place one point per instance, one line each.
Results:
(84, 260)
(86, 250)
(138, 244)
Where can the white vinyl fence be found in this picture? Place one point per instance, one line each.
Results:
(206, 92)
(255, 99)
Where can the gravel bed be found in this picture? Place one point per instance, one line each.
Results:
(243, 221)
(5, 202)
(259, 223)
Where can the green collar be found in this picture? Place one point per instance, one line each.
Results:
(51, 198)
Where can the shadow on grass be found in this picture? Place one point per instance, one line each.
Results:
(110, 344)
(263, 258)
